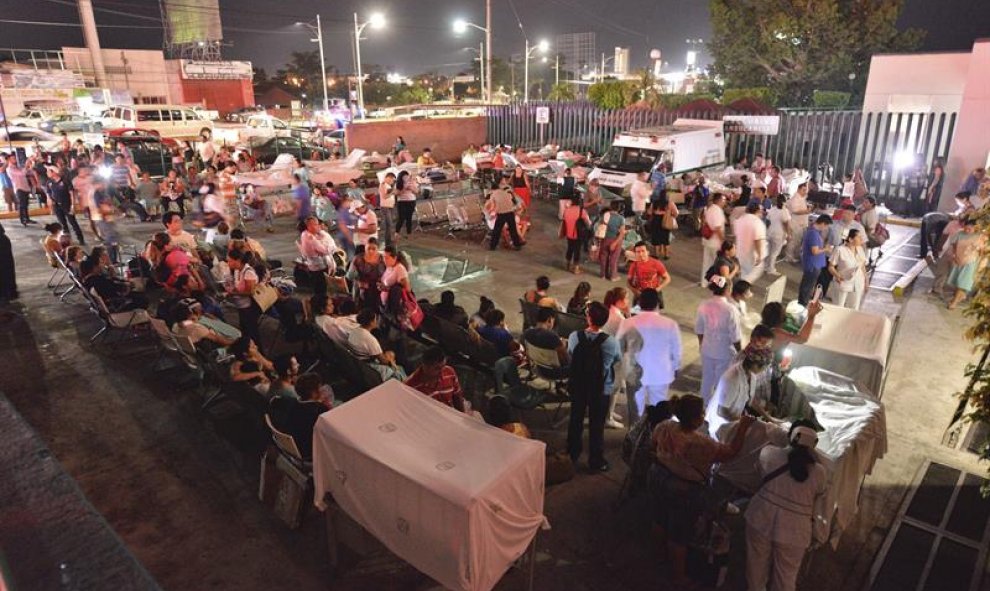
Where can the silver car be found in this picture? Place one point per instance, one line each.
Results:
(69, 123)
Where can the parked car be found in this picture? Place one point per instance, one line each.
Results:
(149, 153)
(241, 115)
(175, 121)
(24, 137)
(256, 128)
(134, 131)
(28, 118)
(267, 151)
(70, 123)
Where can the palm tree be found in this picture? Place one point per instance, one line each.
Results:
(647, 89)
(562, 92)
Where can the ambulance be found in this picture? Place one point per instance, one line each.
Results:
(687, 145)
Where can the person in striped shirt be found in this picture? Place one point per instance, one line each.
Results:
(438, 380)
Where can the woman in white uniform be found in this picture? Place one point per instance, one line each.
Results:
(780, 516)
(743, 385)
(848, 268)
(719, 331)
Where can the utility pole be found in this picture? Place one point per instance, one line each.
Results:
(323, 65)
(488, 47)
(357, 59)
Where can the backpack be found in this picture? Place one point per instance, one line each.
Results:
(587, 364)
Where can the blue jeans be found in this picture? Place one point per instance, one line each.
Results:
(808, 282)
(110, 237)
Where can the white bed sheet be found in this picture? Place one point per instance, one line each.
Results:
(457, 499)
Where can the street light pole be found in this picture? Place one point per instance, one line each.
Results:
(488, 47)
(526, 73)
(323, 65)
(481, 69)
(556, 69)
(357, 58)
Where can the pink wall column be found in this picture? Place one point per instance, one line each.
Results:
(971, 138)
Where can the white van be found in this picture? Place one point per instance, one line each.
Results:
(174, 121)
(688, 144)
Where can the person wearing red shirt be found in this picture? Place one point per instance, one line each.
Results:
(646, 272)
(438, 380)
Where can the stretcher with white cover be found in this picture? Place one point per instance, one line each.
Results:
(455, 498)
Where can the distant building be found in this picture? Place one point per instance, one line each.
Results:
(577, 52)
(621, 63)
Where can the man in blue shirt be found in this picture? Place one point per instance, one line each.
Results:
(590, 385)
(300, 194)
(814, 258)
(973, 181)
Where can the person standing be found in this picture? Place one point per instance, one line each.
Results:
(406, 189)
(933, 189)
(775, 186)
(386, 207)
(814, 255)
(520, 185)
(568, 188)
(103, 215)
(611, 247)
(712, 233)
(646, 272)
(964, 249)
(751, 242)
(719, 329)
(575, 225)
(505, 207)
(61, 196)
(301, 198)
(797, 205)
(778, 233)
(639, 195)
(781, 513)
(8, 274)
(652, 346)
(593, 356)
(22, 188)
(847, 266)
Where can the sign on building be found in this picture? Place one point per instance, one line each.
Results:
(752, 124)
(196, 70)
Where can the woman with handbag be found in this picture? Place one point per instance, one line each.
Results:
(243, 292)
(317, 249)
(572, 228)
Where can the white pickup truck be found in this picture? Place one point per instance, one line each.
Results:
(687, 145)
(255, 129)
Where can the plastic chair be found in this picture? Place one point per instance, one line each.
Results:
(125, 322)
(546, 365)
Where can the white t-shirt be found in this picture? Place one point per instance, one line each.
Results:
(715, 218)
(394, 274)
(782, 507)
(213, 203)
(640, 194)
(241, 280)
(798, 203)
(194, 330)
(364, 221)
(736, 388)
(849, 264)
(869, 219)
(749, 230)
(317, 250)
(183, 239)
(386, 197)
(338, 328)
(654, 341)
(778, 217)
(719, 322)
(363, 343)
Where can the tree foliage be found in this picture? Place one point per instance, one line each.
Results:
(977, 393)
(646, 88)
(797, 46)
(610, 94)
(762, 94)
(562, 92)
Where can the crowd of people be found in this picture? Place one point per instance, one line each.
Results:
(362, 300)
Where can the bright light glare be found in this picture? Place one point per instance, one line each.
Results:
(377, 20)
(544, 45)
(105, 171)
(460, 26)
(903, 159)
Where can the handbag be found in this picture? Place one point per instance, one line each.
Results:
(413, 314)
(602, 228)
(670, 220)
(265, 296)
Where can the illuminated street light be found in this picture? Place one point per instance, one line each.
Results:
(318, 29)
(376, 21)
(460, 27)
(542, 46)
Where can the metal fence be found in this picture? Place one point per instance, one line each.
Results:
(893, 149)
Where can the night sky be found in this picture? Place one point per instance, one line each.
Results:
(419, 36)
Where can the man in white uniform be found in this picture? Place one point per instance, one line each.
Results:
(651, 345)
(797, 205)
(751, 241)
(714, 217)
(639, 194)
(719, 331)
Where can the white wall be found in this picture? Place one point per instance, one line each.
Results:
(145, 74)
(971, 140)
(904, 83)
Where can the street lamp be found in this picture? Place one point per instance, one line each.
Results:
(376, 21)
(481, 65)
(460, 27)
(543, 46)
(323, 68)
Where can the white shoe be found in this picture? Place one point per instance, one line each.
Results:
(731, 509)
(613, 424)
(616, 418)
(774, 272)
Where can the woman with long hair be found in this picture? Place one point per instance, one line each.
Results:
(578, 304)
(405, 201)
(366, 270)
(520, 185)
(848, 269)
(781, 513)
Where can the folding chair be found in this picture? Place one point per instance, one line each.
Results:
(546, 365)
(59, 270)
(126, 322)
(287, 447)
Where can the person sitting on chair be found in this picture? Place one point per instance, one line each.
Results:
(543, 336)
(298, 417)
(438, 380)
(449, 311)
